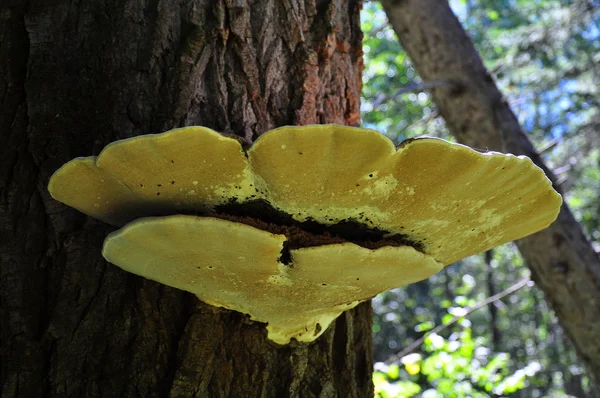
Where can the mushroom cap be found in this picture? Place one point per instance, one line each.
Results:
(236, 266)
(447, 199)
(453, 200)
(186, 169)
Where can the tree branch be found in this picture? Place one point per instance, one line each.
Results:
(411, 88)
(417, 343)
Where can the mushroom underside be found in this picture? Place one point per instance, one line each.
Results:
(297, 283)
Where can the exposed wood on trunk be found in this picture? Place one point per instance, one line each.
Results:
(76, 76)
(562, 261)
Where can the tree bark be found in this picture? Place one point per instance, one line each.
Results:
(562, 261)
(76, 76)
(492, 309)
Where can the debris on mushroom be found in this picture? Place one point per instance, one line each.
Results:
(306, 223)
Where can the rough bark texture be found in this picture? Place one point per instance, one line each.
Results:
(563, 263)
(75, 76)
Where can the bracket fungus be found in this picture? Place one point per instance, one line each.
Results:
(307, 222)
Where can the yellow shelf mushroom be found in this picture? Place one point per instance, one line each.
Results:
(306, 223)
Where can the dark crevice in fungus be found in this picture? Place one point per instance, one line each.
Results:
(406, 142)
(260, 214)
(318, 329)
(244, 142)
(286, 255)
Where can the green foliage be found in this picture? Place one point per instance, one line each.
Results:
(457, 367)
(388, 69)
(544, 55)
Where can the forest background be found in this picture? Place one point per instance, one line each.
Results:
(545, 57)
(76, 76)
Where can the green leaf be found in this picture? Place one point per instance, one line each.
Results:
(493, 15)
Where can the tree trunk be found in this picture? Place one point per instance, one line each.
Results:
(76, 76)
(492, 307)
(562, 261)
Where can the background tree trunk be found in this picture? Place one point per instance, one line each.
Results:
(562, 261)
(76, 76)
